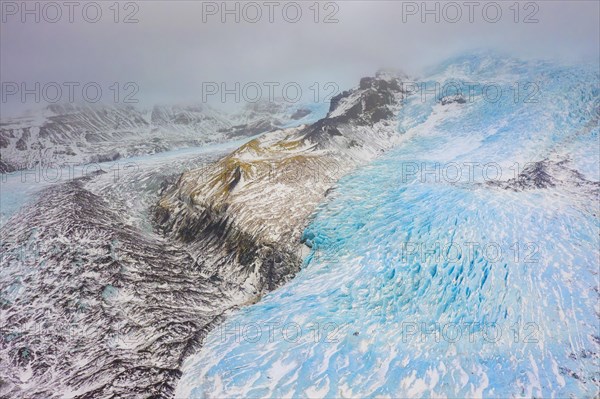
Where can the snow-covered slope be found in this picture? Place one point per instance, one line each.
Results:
(96, 304)
(83, 134)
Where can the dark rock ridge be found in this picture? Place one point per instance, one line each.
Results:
(372, 102)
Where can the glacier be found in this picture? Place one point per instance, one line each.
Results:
(367, 317)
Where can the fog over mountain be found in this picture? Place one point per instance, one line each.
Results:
(176, 46)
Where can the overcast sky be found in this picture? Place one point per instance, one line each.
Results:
(177, 45)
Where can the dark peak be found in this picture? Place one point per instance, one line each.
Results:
(547, 174)
(371, 102)
(368, 103)
(379, 84)
(452, 99)
(384, 79)
(300, 113)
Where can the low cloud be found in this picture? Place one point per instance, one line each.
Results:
(175, 47)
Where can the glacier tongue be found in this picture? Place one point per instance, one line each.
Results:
(518, 322)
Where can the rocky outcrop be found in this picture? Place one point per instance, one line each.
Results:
(453, 99)
(266, 190)
(549, 173)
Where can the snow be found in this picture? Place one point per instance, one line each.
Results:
(357, 279)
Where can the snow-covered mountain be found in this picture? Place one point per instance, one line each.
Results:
(267, 189)
(82, 134)
(97, 304)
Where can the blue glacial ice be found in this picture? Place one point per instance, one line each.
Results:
(422, 285)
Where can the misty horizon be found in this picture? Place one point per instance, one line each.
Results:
(170, 63)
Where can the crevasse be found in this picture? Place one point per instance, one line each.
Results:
(425, 285)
